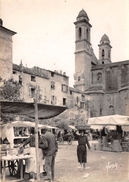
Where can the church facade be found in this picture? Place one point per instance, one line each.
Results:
(105, 83)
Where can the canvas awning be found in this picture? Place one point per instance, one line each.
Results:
(25, 108)
(110, 120)
(72, 127)
(33, 110)
(26, 124)
(49, 127)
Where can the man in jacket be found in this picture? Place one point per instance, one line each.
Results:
(49, 154)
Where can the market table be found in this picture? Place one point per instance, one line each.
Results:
(12, 158)
(125, 146)
(95, 145)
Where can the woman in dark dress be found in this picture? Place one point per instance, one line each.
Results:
(82, 148)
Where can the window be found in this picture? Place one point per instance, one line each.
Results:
(80, 32)
(100, 111)
(99, 77)
(77, 99)
(70, 92)
(45, 99)
(33, 79)
(108, 53)
(82, 105)
(14, 72)
(64, 88)
(32, 92)
(83, 97)
(103, 53)
(64, 101)
(87, 34)
(52, 85)
(52, 74)
(53, 99)
(79, 78)
(20, 79)
(92, 78)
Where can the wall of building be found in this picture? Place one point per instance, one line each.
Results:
(124, 102)
(82, 70)
(5, 55)
(41, 84)
(77, 105)
(97, 77)
(59, 92)
(109, 104)
(114, 81)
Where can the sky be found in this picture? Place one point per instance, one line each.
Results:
(46, 31)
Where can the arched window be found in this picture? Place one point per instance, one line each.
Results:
(79, 78)
(87, 34)
(99, 77)
(80, 32)
(77, 99)
(108, 53)
(103, 53)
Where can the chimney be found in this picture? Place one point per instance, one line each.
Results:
(1, 22)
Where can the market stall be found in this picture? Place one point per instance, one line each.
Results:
(120, 122)
(15, 133)
(33, 110)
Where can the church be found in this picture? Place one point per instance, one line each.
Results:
(105, 83)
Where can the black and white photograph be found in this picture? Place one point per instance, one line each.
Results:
(64, 91)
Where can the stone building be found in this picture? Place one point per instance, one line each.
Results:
(51, 86)
(78, 105)
(6, 45)
(105, 83)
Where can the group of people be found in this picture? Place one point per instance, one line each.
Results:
(47, 151)
(106, 137)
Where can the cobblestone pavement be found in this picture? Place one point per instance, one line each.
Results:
(101, 166)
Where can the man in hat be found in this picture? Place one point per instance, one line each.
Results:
(49, 154)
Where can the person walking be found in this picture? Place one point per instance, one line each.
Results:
(82, 148)
(49, 154)
(104, 134)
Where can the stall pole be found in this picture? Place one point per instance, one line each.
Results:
(0, 112)
(36, 141)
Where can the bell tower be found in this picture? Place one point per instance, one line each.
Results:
(83, 51)
(104, 50)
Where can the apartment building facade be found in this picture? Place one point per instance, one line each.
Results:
(50, 87)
